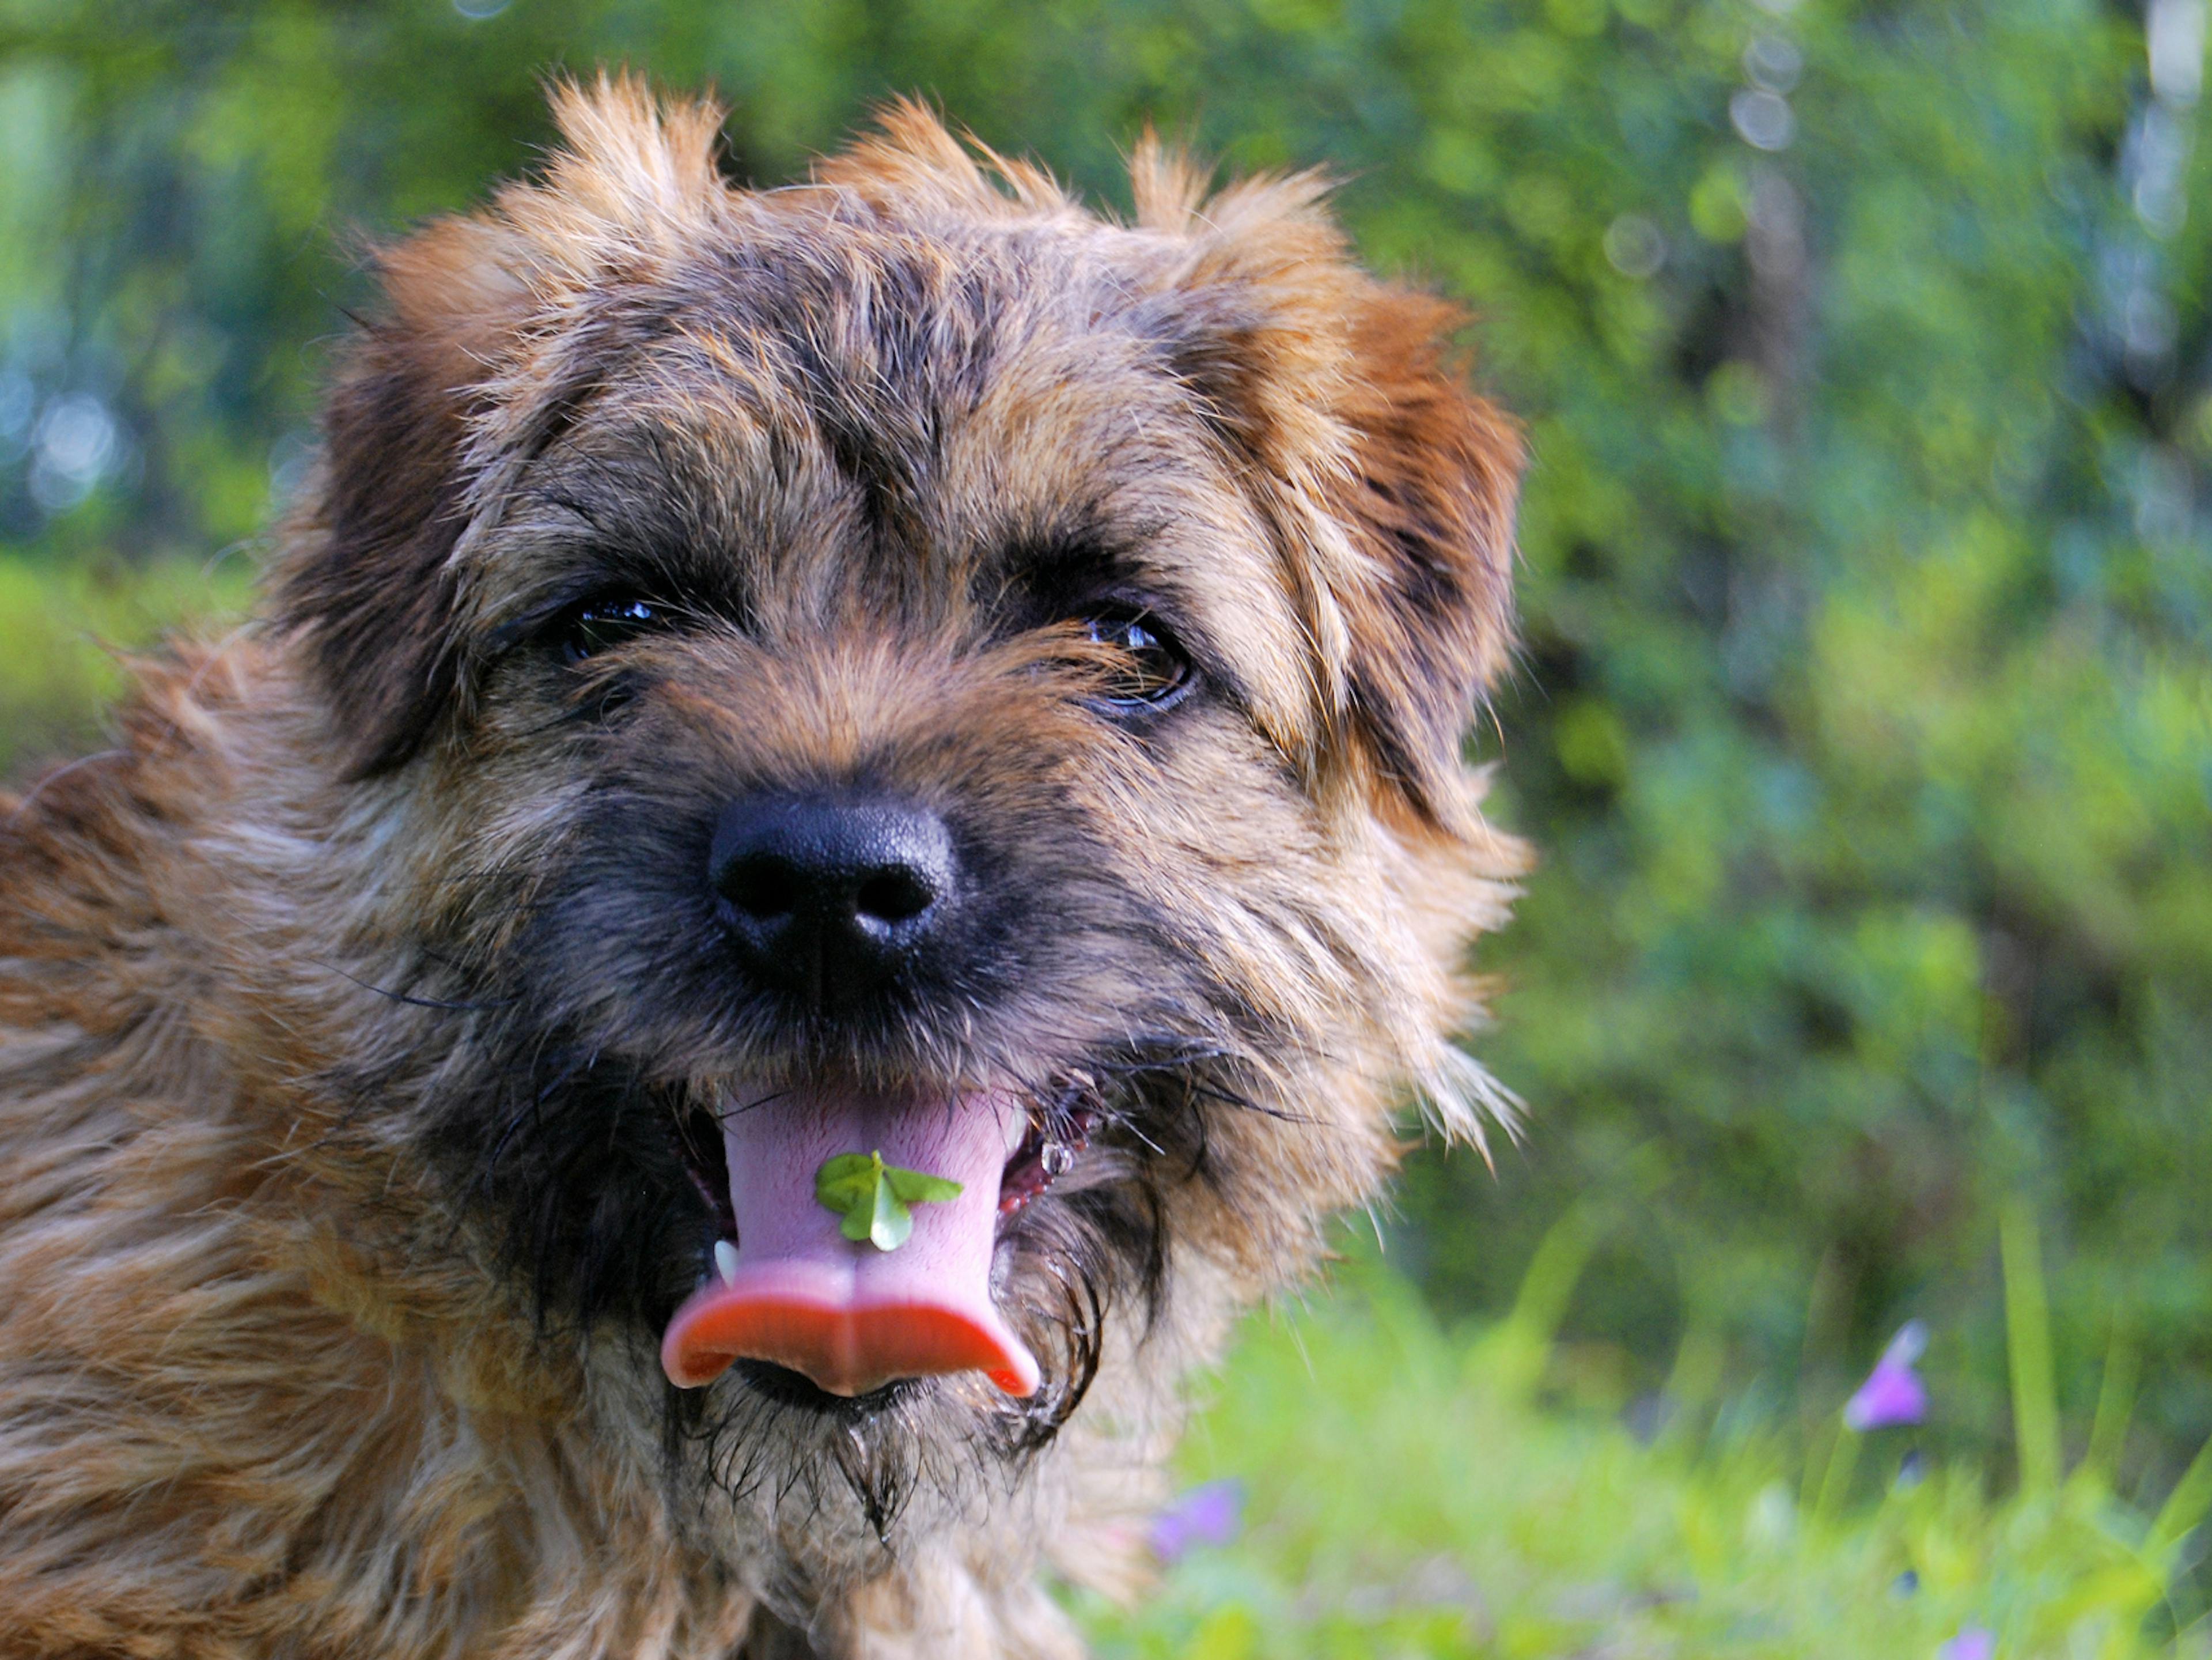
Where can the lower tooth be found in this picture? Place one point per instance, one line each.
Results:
(1056, 1158)
(725, 1261)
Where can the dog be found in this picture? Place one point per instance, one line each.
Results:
(842, 833)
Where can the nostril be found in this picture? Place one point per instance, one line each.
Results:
(893, 895)
(762, 887)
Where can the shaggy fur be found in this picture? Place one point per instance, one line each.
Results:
(355, 1009)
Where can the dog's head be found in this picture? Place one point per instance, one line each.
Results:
(901, 665)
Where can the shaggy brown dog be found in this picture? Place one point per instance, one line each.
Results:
(897, 665)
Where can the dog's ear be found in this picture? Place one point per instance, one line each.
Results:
(1392, 482)
(368, 587)
(466, 370)
(1428, 500)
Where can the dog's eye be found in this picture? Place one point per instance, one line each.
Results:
(598, 625)
(1152, 670)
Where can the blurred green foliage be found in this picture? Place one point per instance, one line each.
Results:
(68, 629)
(1865, 721)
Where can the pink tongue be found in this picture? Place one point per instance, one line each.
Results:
(850, 1316)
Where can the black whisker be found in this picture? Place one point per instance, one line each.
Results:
(411, 1001)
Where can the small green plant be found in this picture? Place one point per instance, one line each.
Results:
(873, 1196)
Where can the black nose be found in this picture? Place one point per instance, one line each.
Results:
(830, 896)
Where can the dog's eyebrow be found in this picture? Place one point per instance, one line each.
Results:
(569, 501)
(1035, 577)
(1077, 552)
(613, 573)
(1037, 580)
(644, 537)
(581, 555)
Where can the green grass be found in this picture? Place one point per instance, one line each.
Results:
(1411, 1491)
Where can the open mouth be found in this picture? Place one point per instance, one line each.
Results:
(809, 1297)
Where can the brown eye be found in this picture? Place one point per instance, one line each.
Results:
(1152, 670)
(598, 625)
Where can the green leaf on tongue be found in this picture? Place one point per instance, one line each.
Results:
(873, 1196)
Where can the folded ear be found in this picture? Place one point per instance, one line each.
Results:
(367, 586)
(466, 368)
(1427, 501)
(1393, 484)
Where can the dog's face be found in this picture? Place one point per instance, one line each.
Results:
(903, 665)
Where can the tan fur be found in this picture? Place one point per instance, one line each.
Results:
(272, 1380)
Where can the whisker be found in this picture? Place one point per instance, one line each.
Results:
(412, 1001)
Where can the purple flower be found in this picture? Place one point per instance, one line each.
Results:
(1207, 1515)
(1893, 1393)
(1971, 1643)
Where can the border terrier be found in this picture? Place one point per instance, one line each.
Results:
(841, 836)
